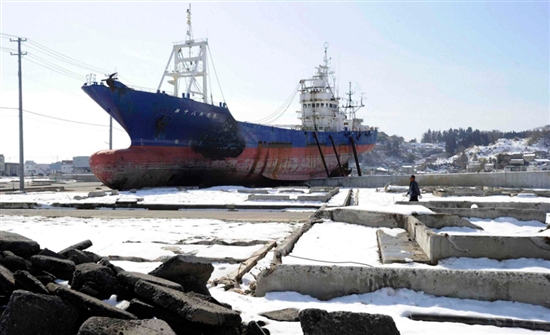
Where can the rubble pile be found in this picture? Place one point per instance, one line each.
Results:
(172, 300)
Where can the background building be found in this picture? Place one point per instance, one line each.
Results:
(81, 164)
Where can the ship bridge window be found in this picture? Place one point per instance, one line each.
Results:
(317, 105)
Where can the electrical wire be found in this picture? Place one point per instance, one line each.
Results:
(60, 68)
(46, 51)
(55, 54)
(75, 77)
(322, 261)
(61, 119)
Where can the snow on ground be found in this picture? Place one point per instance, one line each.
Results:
(147, 238)
(379, 201)
(501, 146)
(336, 243)
(396, 303)
(491, 198)
(327, 241)
(344, 244)
(224, 195)
(504, 226)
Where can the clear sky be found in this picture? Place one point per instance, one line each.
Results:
(419, 64)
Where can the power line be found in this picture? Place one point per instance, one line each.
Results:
(61, 119)
(59, 68)
(59, 56)
(75, 77)
(46, 51)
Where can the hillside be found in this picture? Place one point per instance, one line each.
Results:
(393, 153)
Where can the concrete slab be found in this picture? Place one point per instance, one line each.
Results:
(439, 246)
(399, 249)
(493, 213)
(247, 216)
(328, 282)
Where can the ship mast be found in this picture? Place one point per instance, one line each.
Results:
(352, 107)
(190, 66)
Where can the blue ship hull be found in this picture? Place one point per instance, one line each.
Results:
(178, 141)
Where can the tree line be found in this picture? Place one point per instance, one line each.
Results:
(456, 140)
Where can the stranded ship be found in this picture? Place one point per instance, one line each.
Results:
(184, 139)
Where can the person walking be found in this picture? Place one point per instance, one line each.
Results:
(414, 190)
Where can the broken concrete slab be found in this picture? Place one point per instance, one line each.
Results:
(13, 262)
(327, 282)
(26, 281)
(18, 244)
(399, 248)
(78, 256)
(283, 315)
(131, 278)
(79, 246)
(49, 253)
(61, 268)
(188, 271)
(29, 313)
(88, 305)
(7, 282)
(107, 326)
(320, 322)
(96, 280)
(191, 308)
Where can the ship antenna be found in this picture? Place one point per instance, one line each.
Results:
(189, 27)
(326, 58)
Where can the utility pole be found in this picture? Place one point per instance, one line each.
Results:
(111, 133)
(21, 160)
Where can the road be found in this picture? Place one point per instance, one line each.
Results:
(226, 215)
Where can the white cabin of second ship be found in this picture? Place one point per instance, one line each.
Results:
(320, 106)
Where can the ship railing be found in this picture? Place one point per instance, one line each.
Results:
(145, 89)
(195, 40)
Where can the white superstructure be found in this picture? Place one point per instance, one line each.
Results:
(321, 109)
(189, 61)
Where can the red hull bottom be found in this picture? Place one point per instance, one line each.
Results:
(148, 166)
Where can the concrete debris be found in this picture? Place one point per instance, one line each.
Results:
(131, 278)
(88, 305)
(7, 284)
(286, 315)
(79, 246)
(78, 256)
(108, 326)
(36, 303)
(26, 281)
(188, 271)
(187, 306)
(61, 268)
(19, 245)
(320, 322)
(29, 313)
(97, 194)
(95, 280)
(49, 253)
(13, 262)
